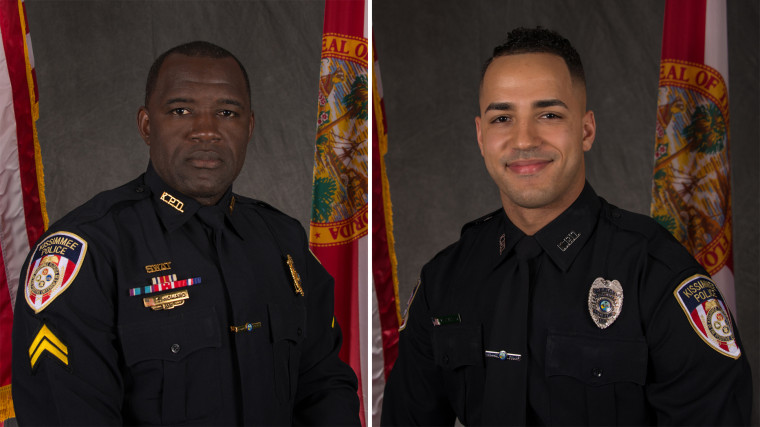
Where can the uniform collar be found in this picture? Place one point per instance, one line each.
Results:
(564, 237)
(175, 208)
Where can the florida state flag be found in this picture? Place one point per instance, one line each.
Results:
(22, 197)
(338, 235)
(691, 191)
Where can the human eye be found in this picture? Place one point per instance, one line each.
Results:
(501, 119)
(228, 113)
(551, 116)
(179, 111)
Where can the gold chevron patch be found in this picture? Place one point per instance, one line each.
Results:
(47, 341)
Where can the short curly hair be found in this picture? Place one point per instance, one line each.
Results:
(201, 49)
(539, 40)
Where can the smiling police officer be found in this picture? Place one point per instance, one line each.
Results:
(172, 300)
(559, 308)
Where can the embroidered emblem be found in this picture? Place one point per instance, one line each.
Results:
(502, 243)
(166, 301)
(294, 274)
(409, 305)
(704, 307)
(46, 341)
(164, 283)
(605, 301)
(53, 267)
(568, 240)
(172, 201)
(155, 268)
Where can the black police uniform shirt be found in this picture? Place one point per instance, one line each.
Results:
(655, 363)
(135, 311)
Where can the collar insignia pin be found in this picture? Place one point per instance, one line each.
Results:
(172, 201)
(502, 243)
(605, 301)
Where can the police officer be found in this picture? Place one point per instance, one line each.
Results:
(172, 300)
(559, 308)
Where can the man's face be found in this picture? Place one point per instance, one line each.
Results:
(198, 122)
(533, 130)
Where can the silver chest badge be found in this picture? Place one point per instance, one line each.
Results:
(605, 301)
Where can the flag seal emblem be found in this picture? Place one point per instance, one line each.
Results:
(53, 267)
(605, 301)
(708, 315)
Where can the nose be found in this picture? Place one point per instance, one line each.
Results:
(526, 137)
(205, 128)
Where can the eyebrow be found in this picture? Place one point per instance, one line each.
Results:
(223, 101)
(544, 103)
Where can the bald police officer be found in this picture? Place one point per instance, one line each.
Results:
(559, 308)
(173, 300)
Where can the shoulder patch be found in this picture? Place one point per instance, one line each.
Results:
(409, 305)
(704, 307)
(52, 268)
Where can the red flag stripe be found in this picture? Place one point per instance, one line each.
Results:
(684, 30)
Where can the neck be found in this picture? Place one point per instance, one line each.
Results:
(531, 220)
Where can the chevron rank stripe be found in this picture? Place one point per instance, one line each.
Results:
(46, 341)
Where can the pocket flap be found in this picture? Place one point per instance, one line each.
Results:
(458, 345)
(597, 361)
(172, 338)
(287, 322)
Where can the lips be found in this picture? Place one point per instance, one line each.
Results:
(205, 160)
(527, 166)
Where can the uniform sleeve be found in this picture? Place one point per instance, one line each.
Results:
(415, 392)
(327, 387)
(65, 360)
(696, 379)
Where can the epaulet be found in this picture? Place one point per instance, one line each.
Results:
(259, 203)
(103, 202)
(660, 243)
(482, 220)
(631, 221)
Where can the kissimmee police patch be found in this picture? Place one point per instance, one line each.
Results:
(703, 304)
(53, 266)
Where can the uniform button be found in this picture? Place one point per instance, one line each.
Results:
(139, 189)
(175, 348)
(299, 332)
(445, 359)
(596, 372)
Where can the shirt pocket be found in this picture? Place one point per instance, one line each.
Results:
(170, 361)
(458, 352)
(611, 372)
(288, 330)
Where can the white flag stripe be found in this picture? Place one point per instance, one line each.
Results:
(14, 242)
(716, 37)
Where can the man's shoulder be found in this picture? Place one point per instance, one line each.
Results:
(471, 234)
(105, 203)
(658, 241)
(268, 213)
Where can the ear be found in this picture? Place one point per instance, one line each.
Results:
(480, 134)
(143, 124)
(251, 125)
(589, 130)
